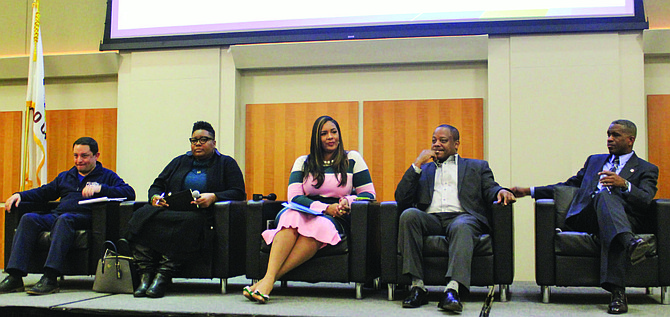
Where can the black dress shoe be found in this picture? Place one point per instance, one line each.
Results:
(619, 304)
(450, 302)
(145, 282)
(158, 286)
(11, 284)
(417, 297)
(638, 249)
(44, 286)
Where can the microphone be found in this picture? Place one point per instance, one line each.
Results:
(486, 308)
(271, 196)
(196, 195)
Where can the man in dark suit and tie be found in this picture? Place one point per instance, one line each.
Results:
(615, 191)
(443, 193)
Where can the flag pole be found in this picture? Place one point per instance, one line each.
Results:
(32, 56)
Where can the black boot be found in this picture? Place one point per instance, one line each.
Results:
(147, 261)
(158, 286)
(145, 282)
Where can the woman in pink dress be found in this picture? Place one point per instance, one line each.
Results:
(327, 181)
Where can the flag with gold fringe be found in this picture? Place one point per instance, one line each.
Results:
(35, 137)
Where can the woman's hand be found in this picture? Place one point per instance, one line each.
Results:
(205, 200)
(344, 205)
(339, 209)
(158, 201)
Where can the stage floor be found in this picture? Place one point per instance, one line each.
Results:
(196, 297)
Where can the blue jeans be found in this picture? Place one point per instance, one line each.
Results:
(62, 227)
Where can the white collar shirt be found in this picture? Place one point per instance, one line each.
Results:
(445, 193)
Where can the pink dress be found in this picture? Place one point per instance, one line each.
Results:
(321, 228)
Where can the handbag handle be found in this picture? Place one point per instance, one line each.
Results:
(105, 248)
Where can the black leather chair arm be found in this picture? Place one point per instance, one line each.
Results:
(503, 242)
(229, 222)
(388, 220)
(358, 242)
(257, 216)
(662, 208)
(545, 229)
(105, 226)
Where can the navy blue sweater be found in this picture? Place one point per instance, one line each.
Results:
(68, 188)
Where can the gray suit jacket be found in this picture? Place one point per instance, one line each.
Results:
(477, 189)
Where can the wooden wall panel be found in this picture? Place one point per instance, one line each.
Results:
(277, 134)
(10, 147)
(395, 132)
(658, 116)
(66, 126)
(10, 154)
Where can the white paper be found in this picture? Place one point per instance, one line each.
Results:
(100, 200)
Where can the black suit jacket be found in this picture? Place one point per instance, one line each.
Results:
(477, 189)
(642, 175)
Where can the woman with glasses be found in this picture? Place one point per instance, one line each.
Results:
(326, 181)
(161, 237)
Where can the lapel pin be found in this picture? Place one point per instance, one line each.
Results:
(632, 170)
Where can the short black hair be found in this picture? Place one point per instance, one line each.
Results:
(454, 132)
(628, 126)
(92, 144)
(202, 125)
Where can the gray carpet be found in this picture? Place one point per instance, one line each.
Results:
(203, 297)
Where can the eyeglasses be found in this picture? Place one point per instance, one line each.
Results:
(202, 140)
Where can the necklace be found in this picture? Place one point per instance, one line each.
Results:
(328, 163)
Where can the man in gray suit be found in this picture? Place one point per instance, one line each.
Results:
(443, 193)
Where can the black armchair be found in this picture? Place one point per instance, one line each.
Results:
(83, 256)
(493, 261)
(354, 259)
(569, 258)
(223, 255)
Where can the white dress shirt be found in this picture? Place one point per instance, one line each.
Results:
(445, 193)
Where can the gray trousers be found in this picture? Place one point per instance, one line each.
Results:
(461, 231)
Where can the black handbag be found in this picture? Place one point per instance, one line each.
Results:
(115, 273)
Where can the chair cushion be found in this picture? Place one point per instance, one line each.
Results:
(572, 243)
(439, 246)
(575, 243)
(562, 199)
(80, 240)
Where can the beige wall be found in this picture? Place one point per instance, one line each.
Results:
(548, 98)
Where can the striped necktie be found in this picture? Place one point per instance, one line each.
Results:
(615, 164)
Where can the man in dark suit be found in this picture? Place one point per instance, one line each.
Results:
(615, 191)
(443, 193)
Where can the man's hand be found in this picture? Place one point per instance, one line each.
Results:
(505, 197)
(90, 190)
(13, 200)
(425, 157)
(521, 191)
(205, 200)
(611, 179)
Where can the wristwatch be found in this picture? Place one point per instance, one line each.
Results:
(626, 184)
